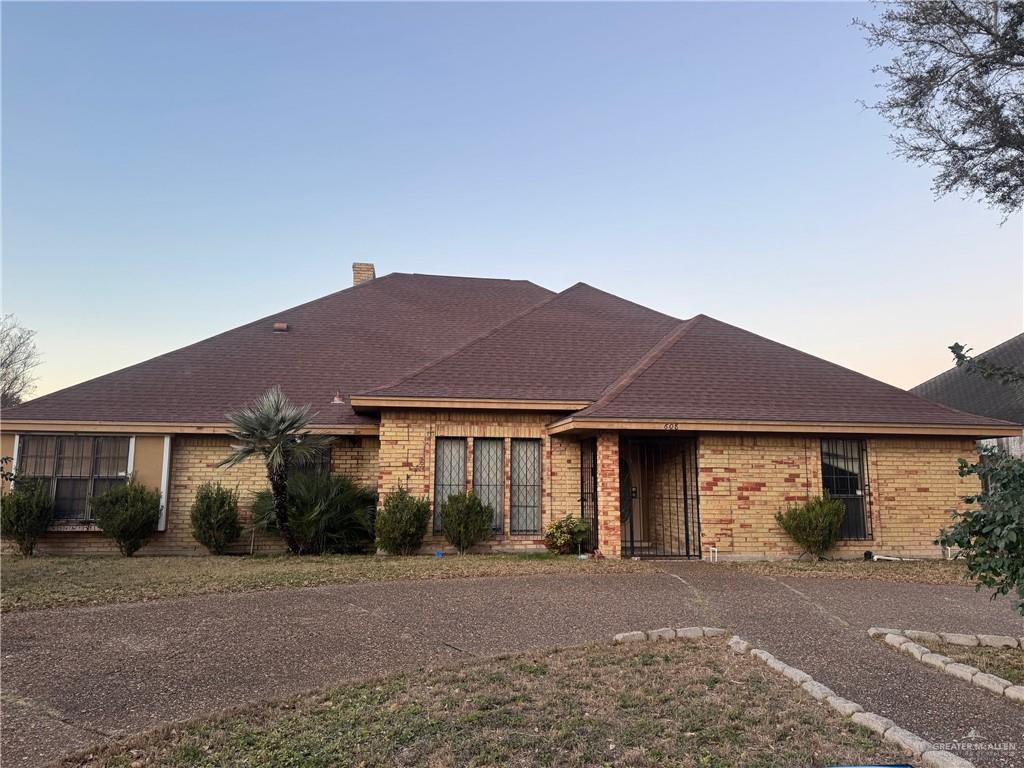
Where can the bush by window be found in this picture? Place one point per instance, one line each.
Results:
(566, 535)
(402, 522)
(129, 513)
(25, 513)
(813, 525)
(215, 517)
(466, 520)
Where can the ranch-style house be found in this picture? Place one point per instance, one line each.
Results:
(668, 436)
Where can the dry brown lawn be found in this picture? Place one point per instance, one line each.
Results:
(910, 571)
(52, 582)
(680, 704)
(1007, 663)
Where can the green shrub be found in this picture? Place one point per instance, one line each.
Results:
(25, 513)
(326, 513)
(215, 517)
(466, 520)
(402, 522)
(129, 514)
(566, 535)
(813, 525)
(991, 535)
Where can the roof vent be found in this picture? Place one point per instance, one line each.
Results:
(362, 272)
(338, 399)
(280, 327)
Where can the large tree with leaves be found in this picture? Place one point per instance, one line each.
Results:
(955, 92)
(275, 430)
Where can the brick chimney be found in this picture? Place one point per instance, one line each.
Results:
(361, 272)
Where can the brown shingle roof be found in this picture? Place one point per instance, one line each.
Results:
(447, 337)
(570, 347)
(713, 371)
(988, 397)
(346, 342)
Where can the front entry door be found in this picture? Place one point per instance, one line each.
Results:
(659, 502)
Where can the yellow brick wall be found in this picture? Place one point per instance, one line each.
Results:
(194, 461)
(407, 440)
(745, 479)
(915, 489)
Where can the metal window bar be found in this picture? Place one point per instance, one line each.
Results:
(321, 462)
(843, 478)
(489, 477)
(74, 468)
(524, 487)
(110, 464)
(588, 489)
(449, 472)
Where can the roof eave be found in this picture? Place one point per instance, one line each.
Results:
(363, 403)
(163, 427)
(575, 424)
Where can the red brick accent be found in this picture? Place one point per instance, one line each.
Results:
(609, 527)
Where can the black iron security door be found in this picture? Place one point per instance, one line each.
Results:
(660, 506)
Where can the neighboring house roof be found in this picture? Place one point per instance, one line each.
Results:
(448, 339)
(972, 393)
(349, 341)
(568, 348)
(713, 371)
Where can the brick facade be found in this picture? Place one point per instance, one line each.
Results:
(407, 448)
(609, 526)
(194, 461)
(743, 479)
(913, 484)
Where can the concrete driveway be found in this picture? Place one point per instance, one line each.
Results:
(75, 677)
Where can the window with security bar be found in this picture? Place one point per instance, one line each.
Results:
(843, 478)
(320, 462)
(449, 473)
(524, 487)
(489, 476)
(74, 468)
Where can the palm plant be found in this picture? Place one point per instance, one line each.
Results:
(326, 513)
(274, 429)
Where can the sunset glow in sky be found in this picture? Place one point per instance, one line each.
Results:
(172, 170)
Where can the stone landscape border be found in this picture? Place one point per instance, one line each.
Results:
(912, 642)
(909, 742)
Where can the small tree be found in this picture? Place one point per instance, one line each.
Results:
(275, 430)
(26, 512)
(215, 522)
(991, 535)
(402, 522)
(813, 525)
(128, 513)
(466, 520)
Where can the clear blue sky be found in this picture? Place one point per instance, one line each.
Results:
(171, 170)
